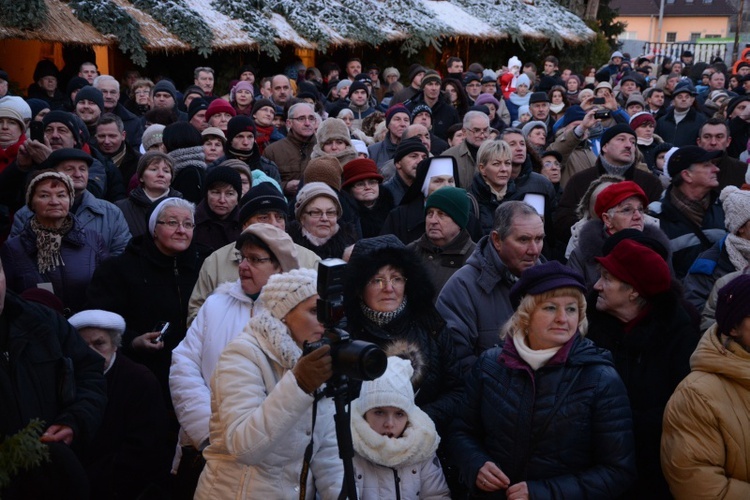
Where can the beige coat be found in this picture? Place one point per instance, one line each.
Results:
(705, 446)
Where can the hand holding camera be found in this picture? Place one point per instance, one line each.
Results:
(314, 368)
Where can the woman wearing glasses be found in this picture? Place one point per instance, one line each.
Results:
(150, 284)
(619, 206)
(388, 298)
(317, 227)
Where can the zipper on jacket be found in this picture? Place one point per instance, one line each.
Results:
(397, 481)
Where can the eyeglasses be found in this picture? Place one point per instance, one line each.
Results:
(173, 224)
(142, 92)
(366, 183)
(551, 164)
(480, 131)
(395, 282)
(630, 211)
(303, 119)
(317, 214)
(473, 85)
(256, 261)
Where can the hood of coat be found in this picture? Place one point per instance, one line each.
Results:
(234, 290)
(491, 269)
(713, 356)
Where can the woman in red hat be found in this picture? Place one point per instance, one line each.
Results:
(361, 181)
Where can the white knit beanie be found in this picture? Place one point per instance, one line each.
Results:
(393, 388)
(514, 62)
(736, 203)
(285, 291)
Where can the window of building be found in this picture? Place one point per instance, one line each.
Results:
(694, 37)
(671, 37)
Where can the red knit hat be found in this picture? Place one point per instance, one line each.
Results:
(615, 194)
(219, 106)
(360, 169)
(639, 119)
(638, 266)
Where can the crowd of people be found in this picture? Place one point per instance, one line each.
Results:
(554, 261)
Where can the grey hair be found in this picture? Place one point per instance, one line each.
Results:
(293, 109)
(106, 78)
(176, 203)
(505, 215)
(344, 112)
(204, 69)
(489, 150)
(474, 114)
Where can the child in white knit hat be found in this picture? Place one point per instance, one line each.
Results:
(394, 440)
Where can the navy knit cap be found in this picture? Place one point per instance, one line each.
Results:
(420, 108)
(611, 132)
(90, 94)
(396, 108)
(733, 304)
(196, 105)
(359, 85)
(76, 83)
(66, 119)
(165, 86)
(264, 196)
(407, 146)
(453, 201)
(227, 175)
(36, 106)
(237, 124)
(544, 278)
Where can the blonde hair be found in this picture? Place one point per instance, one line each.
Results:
(519, 322)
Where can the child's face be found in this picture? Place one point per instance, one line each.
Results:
(660, 161)
(387, 420)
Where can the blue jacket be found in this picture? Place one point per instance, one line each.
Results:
(581, 449)
(683, 241)
(92, 213)
(82, 250)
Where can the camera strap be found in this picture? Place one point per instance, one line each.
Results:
(308, 451)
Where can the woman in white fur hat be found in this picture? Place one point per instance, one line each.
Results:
(394, 441)
(262, 403)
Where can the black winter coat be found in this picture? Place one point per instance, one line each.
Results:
(136, 208)
(333, 248)
(652, 355)
(581, 449)
(146, 287)
(213, 232)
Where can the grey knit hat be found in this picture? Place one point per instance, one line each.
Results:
(736, 204)
(47, 175)
(153, 135)
(311, 191)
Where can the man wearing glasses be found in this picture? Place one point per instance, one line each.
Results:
(477, 130)
(292, 153)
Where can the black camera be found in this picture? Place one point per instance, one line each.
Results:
(355, 359)
(602, 114)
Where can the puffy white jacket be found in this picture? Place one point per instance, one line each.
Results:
(221, 319)
(261, 423)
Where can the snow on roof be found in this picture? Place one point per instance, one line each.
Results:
(262, 24)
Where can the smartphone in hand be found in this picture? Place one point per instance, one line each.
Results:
(162, 328)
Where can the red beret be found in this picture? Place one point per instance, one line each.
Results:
(638, 266)
(615, 194)
(358, 170)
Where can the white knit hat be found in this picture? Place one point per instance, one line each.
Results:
(285, 291)
(736, 203)
(98, 318)
(393, 388)
(514, 62)
(18, 104)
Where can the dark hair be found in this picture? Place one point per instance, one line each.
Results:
(251, 239)
(506, 214)
(108, 118)
(160, 116)
(462, 103)
(553, 60)
(452, 130)
(714, 121)
(451, 60)
(181, 135)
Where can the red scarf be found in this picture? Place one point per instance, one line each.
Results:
(263, 136)
(8, 156)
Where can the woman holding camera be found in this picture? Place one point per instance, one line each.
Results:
(388, 297)
(264, 413)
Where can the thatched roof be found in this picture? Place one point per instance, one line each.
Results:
(232, 24)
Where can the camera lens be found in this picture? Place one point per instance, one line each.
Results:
(360, 360)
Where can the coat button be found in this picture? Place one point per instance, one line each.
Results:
(307, 432)
(296, 488)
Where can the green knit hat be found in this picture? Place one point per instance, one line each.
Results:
(453, 201)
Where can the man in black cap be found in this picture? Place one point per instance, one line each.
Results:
(89, 106)
(95, 214)
(443, 113)
(617, 157)
(628, 84)
(262, 204)
(539, 107)
(164, 96)
(359, 102)
(473, 86)
(691, 214)
(197, 114)
(680, 125)
(409, 153)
